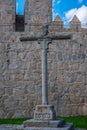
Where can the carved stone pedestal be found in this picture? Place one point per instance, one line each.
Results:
(45, 119)
(43, 123)
(44, 112)
(47, 125)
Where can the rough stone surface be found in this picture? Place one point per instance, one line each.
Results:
(20, 66)
(20, 127)
(44, 112)
(46, 123)
(67, 126)
(11, 127)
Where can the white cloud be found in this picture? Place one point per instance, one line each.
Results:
(59, 1)
(81, 13)
(54, 1)
(69, 15)
(80, 1)
(54, 10)
(17, 7)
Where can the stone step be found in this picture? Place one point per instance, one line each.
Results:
(40, 123)
(68, 126)
(11, 127)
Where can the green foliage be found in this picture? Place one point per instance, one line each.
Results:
(12, 121)
(79, 122)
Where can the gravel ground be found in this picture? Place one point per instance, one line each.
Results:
(18, 127)
(11, 127)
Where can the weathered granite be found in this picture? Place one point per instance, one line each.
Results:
(20, 127)
(44, 112)
(20, 67)
(44, 123)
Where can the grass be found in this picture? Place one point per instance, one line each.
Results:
(18, 121)
(79, 122)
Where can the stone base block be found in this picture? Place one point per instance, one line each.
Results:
(39, 123)
(44, 112)
(68, 126)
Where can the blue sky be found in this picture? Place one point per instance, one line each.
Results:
(20, 6)
(68, 8)
(65, 8)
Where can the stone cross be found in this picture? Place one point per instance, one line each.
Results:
(44, 40)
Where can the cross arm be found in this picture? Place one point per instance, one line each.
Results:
(58, 36)
(61, 36)
(28, 38)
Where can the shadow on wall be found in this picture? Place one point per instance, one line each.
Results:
(85, 109)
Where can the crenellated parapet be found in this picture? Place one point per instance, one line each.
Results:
(74, 25)
(57, 24)
(36, 14)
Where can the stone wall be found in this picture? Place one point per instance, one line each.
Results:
(20, 70)
(68, 75)
(7, 15)
(37, 12)
(20, 75)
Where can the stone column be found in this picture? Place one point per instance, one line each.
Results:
(44, 111)
(44, 46)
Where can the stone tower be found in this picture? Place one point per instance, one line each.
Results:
(7, 15)
(38, 12)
